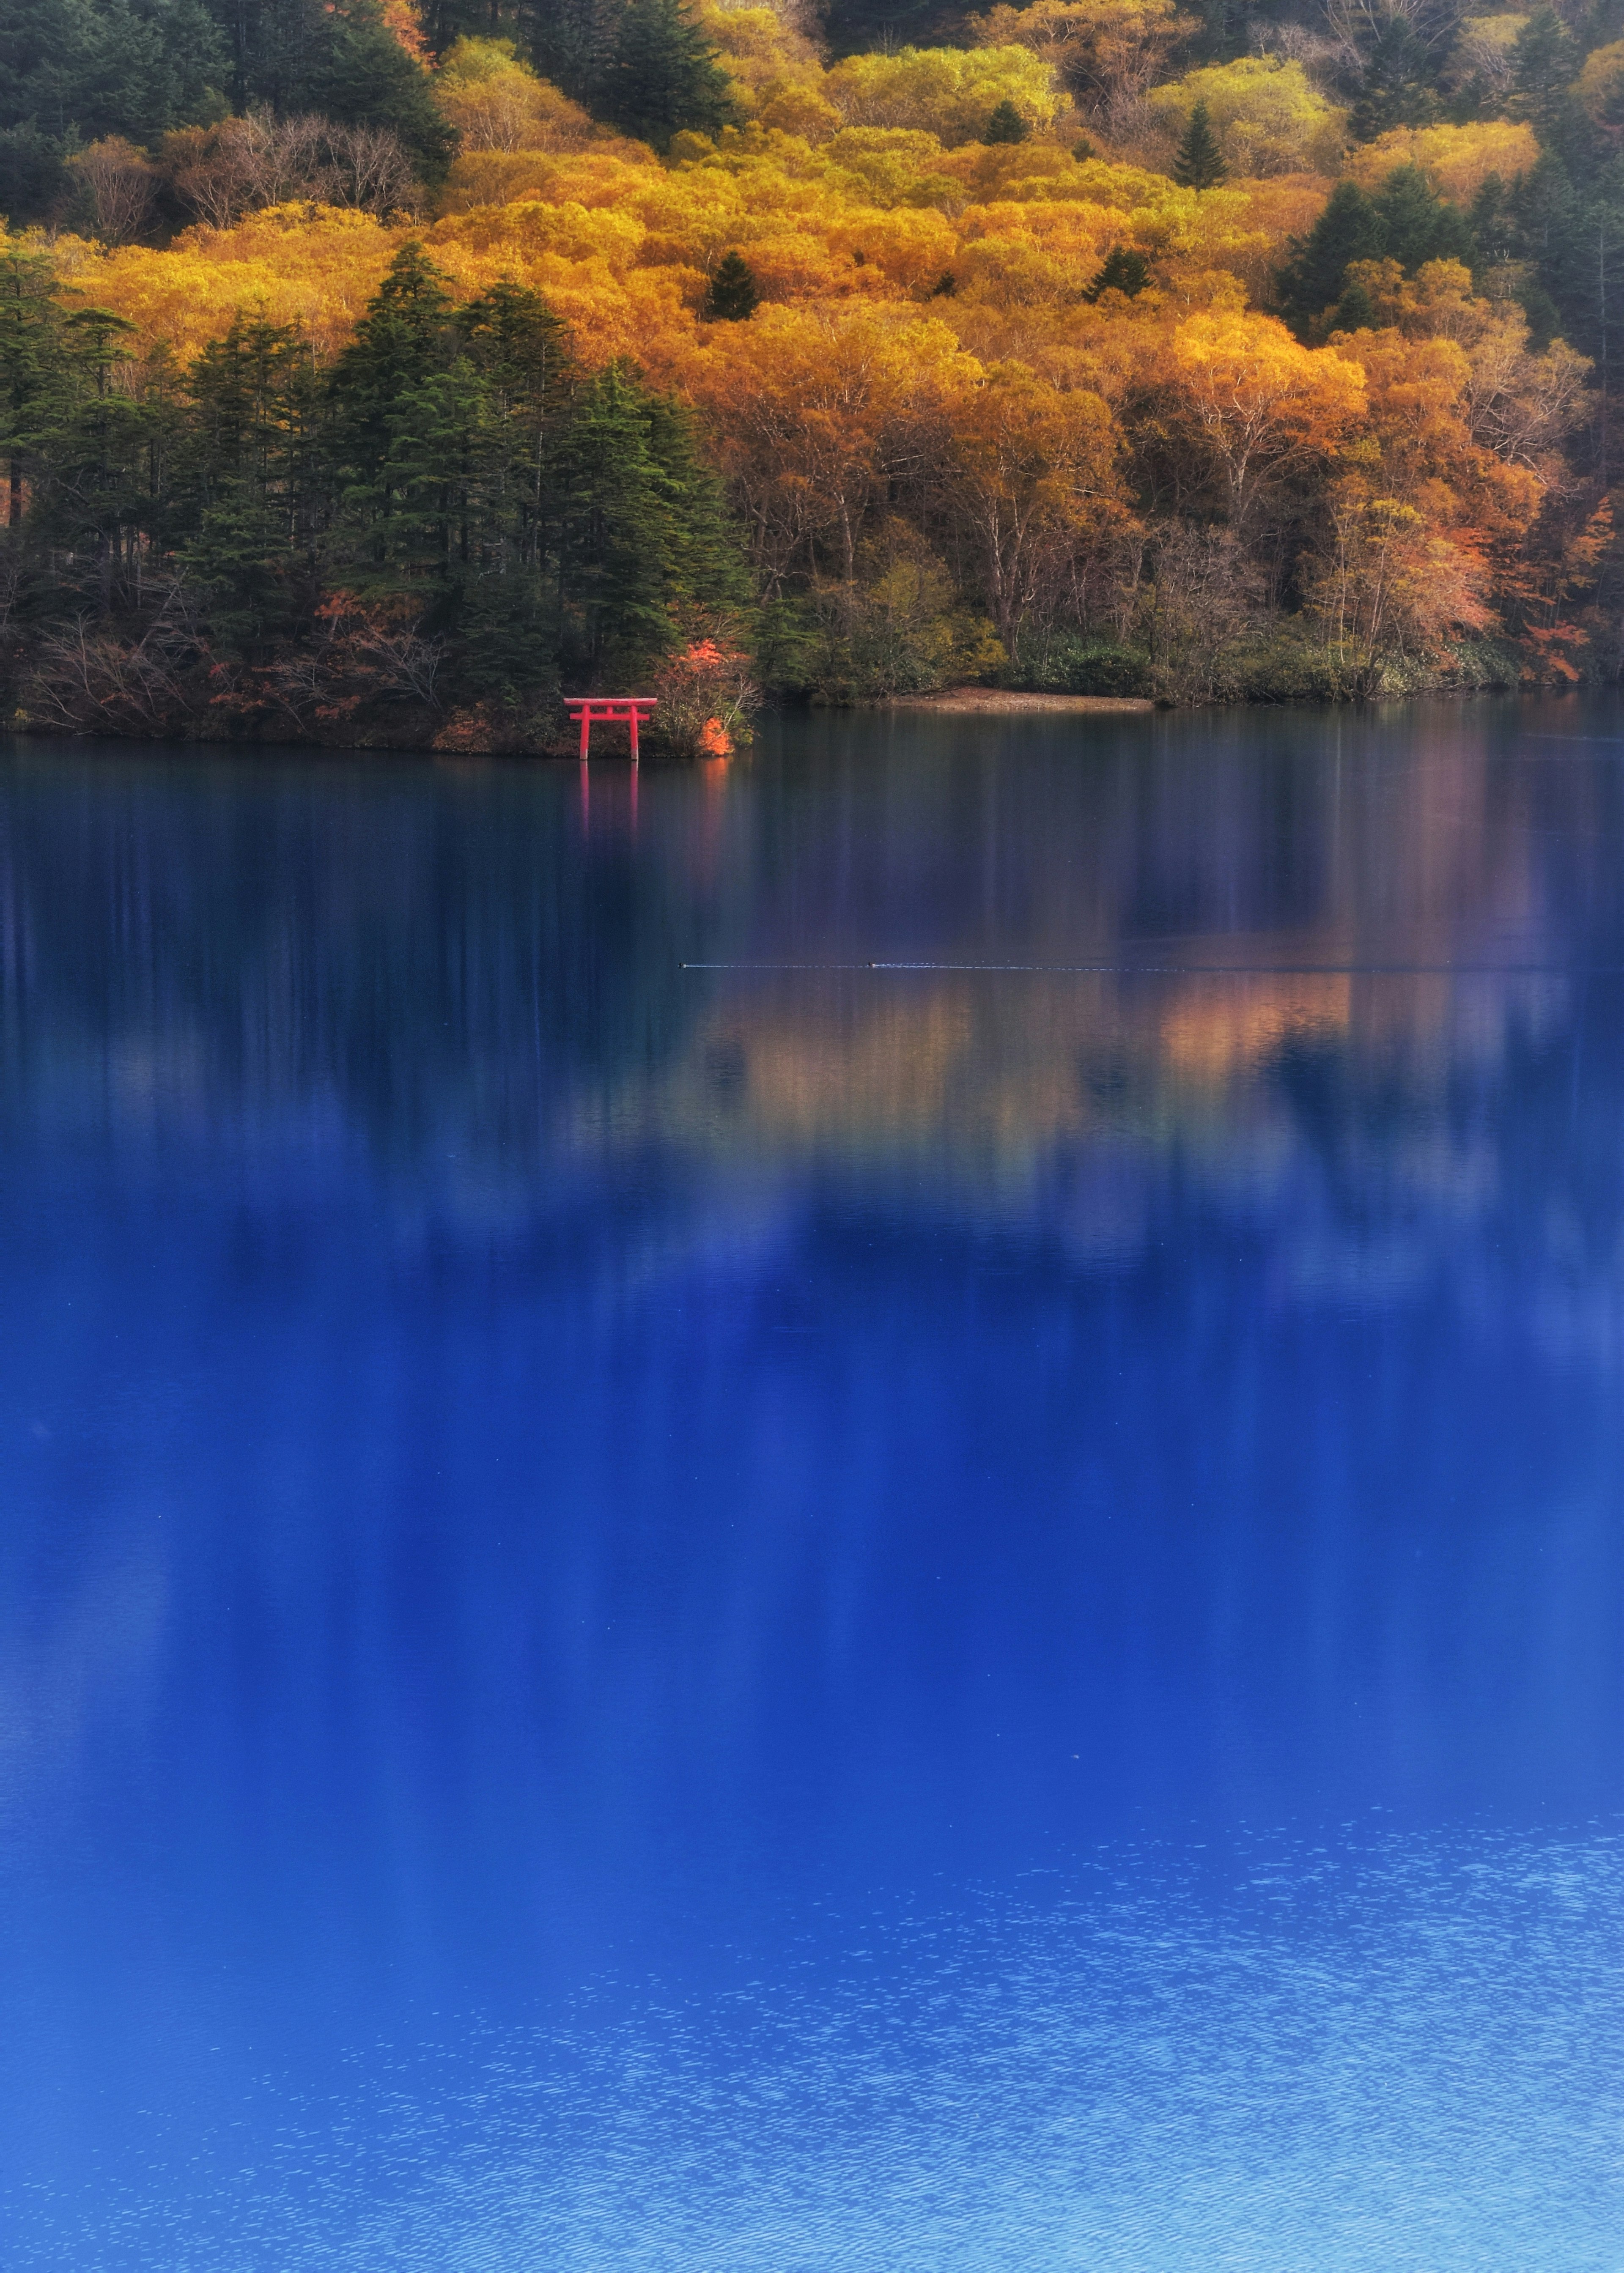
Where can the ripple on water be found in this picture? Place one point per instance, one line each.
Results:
(1406, 2060)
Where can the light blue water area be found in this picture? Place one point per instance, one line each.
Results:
(856, 1512)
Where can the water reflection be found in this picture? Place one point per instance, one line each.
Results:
(562, 1427)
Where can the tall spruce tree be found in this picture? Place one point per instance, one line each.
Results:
(1417, 224)
(77, 69)
(1406, 221)
(1199, 164)
(1004, 125)
(1397, 88)
(1544, 60)
(570, 40)
(405, 339)
(35, 377)
(103, 461)
(731, 297)
(613, 533)
(340, 60)
(1123, 271)
(703, 566)
(520, 350)
(661, 75)
(247, 499)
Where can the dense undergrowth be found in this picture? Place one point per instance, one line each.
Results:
(379, 376)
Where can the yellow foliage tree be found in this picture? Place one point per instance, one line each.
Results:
(1456, 160)
(315, 267)
(1390, 583)
(496, 102)
(1033, 485)
(1264, 405)
(1600, 85)
(814, 413)
(1266, 113)
(1108, 52)
(947, 92)
(764, 57)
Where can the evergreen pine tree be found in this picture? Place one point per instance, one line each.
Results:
(245, 500)
(78, 69)
(1199, 164)
(1006, 124)
(359, 73)
(34, 367)
(446, 472)
(733, 296)
(1350, 229)
(1416, 225)
(1544, 61)
(506, 632)
(338, 58)
(102, 458)
(704, 564)
(1397, 87)
(1125, 271)
(612, 537)
(33, 175)
(662, 75)
(406, 337)
(570, 40)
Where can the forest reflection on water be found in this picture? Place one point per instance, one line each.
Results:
(623, 1415)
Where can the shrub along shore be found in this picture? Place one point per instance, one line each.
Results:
(388, 394)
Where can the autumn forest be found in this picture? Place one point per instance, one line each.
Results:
(380, 373)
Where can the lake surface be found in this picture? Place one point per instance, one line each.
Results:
(864, 1513)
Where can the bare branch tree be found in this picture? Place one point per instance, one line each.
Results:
(244, 164)
(119, 182)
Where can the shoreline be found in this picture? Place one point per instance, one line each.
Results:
(415, 736)
(999, 701)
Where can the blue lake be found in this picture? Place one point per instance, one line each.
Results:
(860, 1512)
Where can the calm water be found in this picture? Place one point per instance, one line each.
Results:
(867, 1518)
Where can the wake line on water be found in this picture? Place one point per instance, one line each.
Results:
(1215, 970)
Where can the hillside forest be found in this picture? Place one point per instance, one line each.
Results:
(379, 373)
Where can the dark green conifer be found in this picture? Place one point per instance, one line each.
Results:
(662, 76)
(34, 367)
(353, 69)
(1125, 271)
(521, 351)
(82, 68)
(1199, 164)
(570, 40)
(246, 493)
(406, 337)
(612, 537)
(733, 296)
(1544, 61)
(33, 176)
(1354, 312)
(1397, 87)
(506, 631)
(1406, 221)
(1006, 124)
(1350, 229)
(1416, 225)
(703, 566)
(103, 459)
(445, 472)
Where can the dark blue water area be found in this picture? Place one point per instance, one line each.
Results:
(861, 1510)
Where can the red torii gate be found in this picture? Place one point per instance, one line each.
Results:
(609, 710)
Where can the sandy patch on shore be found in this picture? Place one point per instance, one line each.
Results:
(1000, 700)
